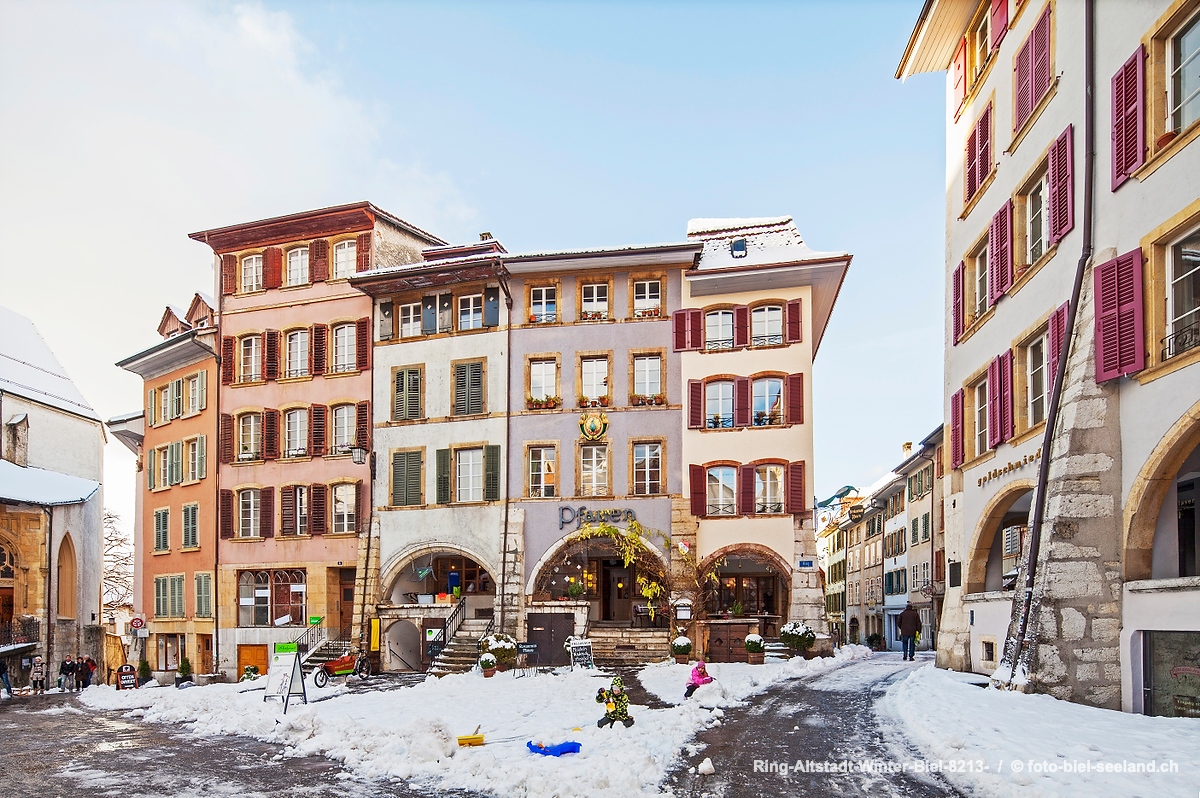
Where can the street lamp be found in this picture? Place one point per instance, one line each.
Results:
(359, 453)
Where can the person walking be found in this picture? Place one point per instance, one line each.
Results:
(66, 670)
(4, 677)
(909, 624)
(37, 676)
(87, 667)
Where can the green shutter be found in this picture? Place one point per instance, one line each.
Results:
(151, 460)
(160, 596)
(399, 478)
(202, 457)
(414, 478)
(460, 390)
(203, 595)
(491, 473)
(151, 398)
(202, 391)
(413, 410)
(475, 388)
(443, 476)
(399, 400)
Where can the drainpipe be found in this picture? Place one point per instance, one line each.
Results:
(933, 616)
(1089, 135)
(508, 304)
(216, 604)
(49, 511)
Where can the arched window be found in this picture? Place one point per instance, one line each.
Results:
(344, 418)
(768, 489)
(345, 348)
(297, 353)
(252, 273)
(345, 503)
(8, 563)
(295, 425)
(718, 329)
(766, 325)
(718, 404)
(249, 512)
(250, 436)
(345, 256)
(722, 486)
(768, 401)
(297, 266)
(250, 359)
(67, 588)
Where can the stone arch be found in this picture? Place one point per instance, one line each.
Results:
(754, 550)
(67, 573)
(1149, 490)
(391, 571)
(985, 532)
(715, 598)
(562, 544)
(402, 645)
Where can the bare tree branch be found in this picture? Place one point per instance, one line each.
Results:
(117, 586)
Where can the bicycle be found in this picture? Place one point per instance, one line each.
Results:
(354, 663)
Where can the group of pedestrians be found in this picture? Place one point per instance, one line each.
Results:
(74, 674)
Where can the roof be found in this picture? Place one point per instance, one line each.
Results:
(700, 226)
(29, 369)
(935, 37)
(47, 488)
(189, 346)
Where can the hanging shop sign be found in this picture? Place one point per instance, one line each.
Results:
(593, 426)
(582, 515)
(1010, 467)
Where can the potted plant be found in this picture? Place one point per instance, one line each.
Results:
(533, 318)
(797, 637)
(755, 649)
(487, 664)
(184, 673)
(1166, 138)
(716, 421)
(503, 647)
(457, 591)
(636, 399)
(604, 401)
(681, 647)
(575, 588)
(875, 641)
(143, 673)
(249, 673)
(737, 609)
(583, 401)
(660, 399)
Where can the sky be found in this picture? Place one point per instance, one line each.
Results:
(126, 126)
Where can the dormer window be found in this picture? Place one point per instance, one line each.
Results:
(737, 247)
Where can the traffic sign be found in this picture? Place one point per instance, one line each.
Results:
(136, 623)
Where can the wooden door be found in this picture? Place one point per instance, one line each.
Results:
(251, 655)
(726, 641)
(204, 654)
(6, 605)
(550, 630)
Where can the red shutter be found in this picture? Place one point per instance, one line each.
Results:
(363, 252)
(227, 350)
(695, 404)
(266, 521)
(741, 326)
(679, 330)
(959, 69)
(271, 359)
(270, 434)
(795, 488)
(362, 424)
(1000, 266)
(1128, 121)
(956, 429)
(318, 347)
(226, 513)
(1007, 422)
(958, 309)
(318, 260)
(993, 403)
(316, 509)
(362, 344)
(745, 490)
(228, 274)
(1120, 327)
(361, 501)
(699, 490)
(793, 393)
(1055, 337)
(999, 22)
(741, 401)
(225, 453)
(695, 329)
(1023, 84)
(1041, 58)
(316, 429)
(794, 322)
(939, 565)
(983, 142)
(272, 267)
(970, 157)
(287, 510)
(1060, 186)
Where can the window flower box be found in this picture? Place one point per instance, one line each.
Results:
(636, 399)
(660, 399)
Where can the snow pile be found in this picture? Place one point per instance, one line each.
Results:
(1035, 745)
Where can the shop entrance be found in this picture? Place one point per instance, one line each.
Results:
(550, 631)
(1172, 680)
(346, 601)
(251, 655)
(616, 601)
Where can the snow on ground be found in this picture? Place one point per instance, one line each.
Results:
(1032, 745)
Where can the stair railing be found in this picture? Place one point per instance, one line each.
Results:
(311, 638)
(393, 652)
(486, 632)
(454, 621)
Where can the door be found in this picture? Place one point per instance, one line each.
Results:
(6, 605)
(251, 655)
(550, 630)
(203, 654)
(346, 600)
(617, 593)
(726, 641)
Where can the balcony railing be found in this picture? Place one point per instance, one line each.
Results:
(342, 368)
(20, 631)
(718, 343)
(649, 312)
(247, 455)
(593, 315)
(721, 508)
(541, 491)
(718, 421)
(768, 507)
(297, 372)
(766, 340)
(299, 451)
(764, 419)
(1181, 340)
(593, 490)
(543, 318)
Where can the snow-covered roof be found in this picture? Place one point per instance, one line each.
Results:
(769, 241)
(29, 369)
(702, 226)
(38, 486)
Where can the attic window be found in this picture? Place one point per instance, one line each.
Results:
(737, 247)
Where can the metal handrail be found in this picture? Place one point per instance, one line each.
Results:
(20, 631)
(455, 619)
(1181, 340)
(396, 654)
(491, 625)
(313, 636)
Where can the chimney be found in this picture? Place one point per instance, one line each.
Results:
(485, 236)
(907, 448)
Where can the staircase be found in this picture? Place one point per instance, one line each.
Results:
(462, 652)
(326, 651)
(620, 645)
(775, 650)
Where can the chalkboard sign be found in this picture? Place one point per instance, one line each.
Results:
(527, 648)
(127, 677)
(581, 654)
(433, 650)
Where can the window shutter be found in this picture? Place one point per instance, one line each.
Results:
(1128, 123)
(956, 429)
(428, 315)
(175, 461)
(386, 320)
(793, 391)
(270, 434)
(1023, 84)
(151, 469)
(228, 275)
(695, 329)
(971, 157)
(1120, 327)
(201, 456)
(226, 513)
(491, 307)
(745, 490)
(442, 457)
(266, 518)
(983, 164)
(151, 407)
(741, 326)
(399, 479)
(318, 346)
(225, 455)
(475, 387)
(958, 302)
(174, 399)
(226, 360)
(318, 260)
(271, 359)
(202, 389)
(287, 510)
(741, 401)
(1041, 57)
(999, 22)
(1000, 271)
(491, 473)
(460, 389)
(316, 429)
(1007, 422)
(795, 487)
(272, 267)
(399, 395)
(362, 503)
(695, 404)
(1060, 186)
(413, 478)
(362, 424)
(1056, 336)
(414, 393)
(363, 252)
(959, 69)
(679, 330)
(697, 479)
(794, 322)
(993, 403)
(362, 344)
(317, 509)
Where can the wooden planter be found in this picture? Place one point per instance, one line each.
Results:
(755, 657)
(682, 659)
(489, 673)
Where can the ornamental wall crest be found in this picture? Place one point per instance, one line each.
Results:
(593, 426)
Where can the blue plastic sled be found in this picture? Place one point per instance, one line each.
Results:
(568, 747)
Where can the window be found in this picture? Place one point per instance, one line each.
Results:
(1035, 227)
(191, 526)
(295, 432)
(542, 378)
(981, 282)
(162, 532)
(925, 526)
(647, 299)
(406, 478)
(300, 509)
(344, 418)
(543, 305)
(593, 471)
(272, 598)
(345, 350)
(718, 404)
(594, 304)
(722, 481)
(468, 475)
(766, 326)
(164, 394)
(196, 458)
(203, 595)
(470, 312)
(197, 392)
(468, 388)
(297, 266)
(406, 401)
(251, 358)
(647, 469)
(252, 274)
(165, 471)
(345, 506)
(1035, 356)
(718, 329)
(345, 257)
(768, 489)
(250, 436)
(410, 320)
(594, 377)
(168, 596)
(297, 353)
(980, 45)
(768, 401)
(1183, 102)
(647, 375)
(542, 476)
(981, 418)
(1183, 295)
(248, 512)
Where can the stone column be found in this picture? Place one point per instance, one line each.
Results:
(513, 597)
(807, 596)
(954, 631)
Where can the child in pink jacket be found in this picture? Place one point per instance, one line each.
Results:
(699, 676)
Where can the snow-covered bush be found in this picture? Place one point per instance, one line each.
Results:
(501, 646)
(681, 645)
(487, 661)
(797, 636)
(754, 644)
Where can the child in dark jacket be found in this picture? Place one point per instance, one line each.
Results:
(616, 703)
